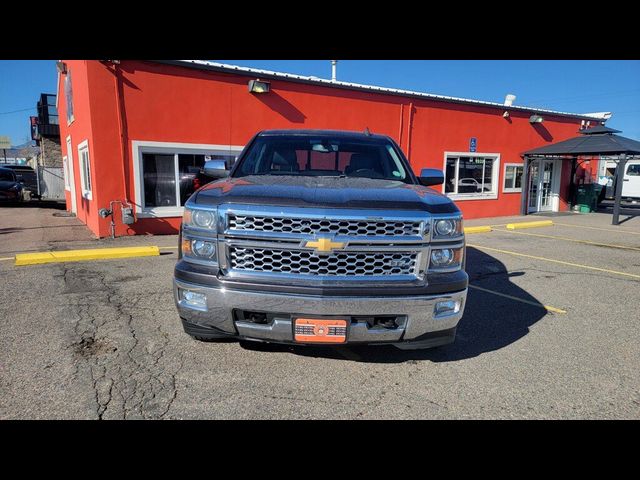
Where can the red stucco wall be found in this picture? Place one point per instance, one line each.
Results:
(176, 104)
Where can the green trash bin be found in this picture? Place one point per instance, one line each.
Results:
(587, 197)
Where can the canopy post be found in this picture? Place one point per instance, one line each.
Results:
(619, 178)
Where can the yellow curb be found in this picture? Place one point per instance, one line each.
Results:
(84, 255)
(482, 229)
(542, 223)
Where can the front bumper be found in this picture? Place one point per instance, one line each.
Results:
(419, 324)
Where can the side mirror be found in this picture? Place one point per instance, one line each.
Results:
(215, 168)
(431, 176)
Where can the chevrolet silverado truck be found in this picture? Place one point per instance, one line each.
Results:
(321, 237)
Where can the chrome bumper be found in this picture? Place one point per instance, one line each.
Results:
(419, 312)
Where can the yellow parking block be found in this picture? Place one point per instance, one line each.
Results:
(542, 223)
(84, 255)
(481, 229)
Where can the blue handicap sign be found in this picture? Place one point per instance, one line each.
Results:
(473, 143)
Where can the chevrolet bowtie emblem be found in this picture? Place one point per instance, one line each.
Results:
(324, 245)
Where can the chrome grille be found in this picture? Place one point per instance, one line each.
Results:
(337, 264)
(316, 226)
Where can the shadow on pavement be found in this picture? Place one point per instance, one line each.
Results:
(490, 322)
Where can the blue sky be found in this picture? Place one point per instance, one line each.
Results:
(576, 86)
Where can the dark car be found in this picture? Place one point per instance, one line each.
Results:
(26, 175)
(10, 186)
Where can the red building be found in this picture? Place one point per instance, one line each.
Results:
(133, 131)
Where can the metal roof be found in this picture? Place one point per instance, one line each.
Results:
(591, 143)
(225, 68)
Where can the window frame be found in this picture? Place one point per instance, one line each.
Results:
(85, 172)
(514, 189)
(65, 171)
(495, 176)
(140, 147)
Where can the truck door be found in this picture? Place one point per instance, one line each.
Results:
(631, 180)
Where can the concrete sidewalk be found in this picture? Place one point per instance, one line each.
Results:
(36, 227)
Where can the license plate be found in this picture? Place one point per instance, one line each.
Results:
(317, 330)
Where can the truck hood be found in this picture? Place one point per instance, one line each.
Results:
(330, 192)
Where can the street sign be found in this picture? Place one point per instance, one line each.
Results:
(5, 142)
(473, 144)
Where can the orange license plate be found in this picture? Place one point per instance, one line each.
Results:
(316, 330)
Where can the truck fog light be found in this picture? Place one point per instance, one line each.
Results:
(447, 307)
(203, 248)
(194, 299)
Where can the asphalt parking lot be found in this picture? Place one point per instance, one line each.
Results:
(551, 330)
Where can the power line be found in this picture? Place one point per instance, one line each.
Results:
(16, 111)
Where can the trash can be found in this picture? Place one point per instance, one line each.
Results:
(587, 197)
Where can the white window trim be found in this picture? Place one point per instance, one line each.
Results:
(139, 147)
(65, 170)
(504, 178)
(86, 193)
(473, 196)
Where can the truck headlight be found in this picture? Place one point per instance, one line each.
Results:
(204, 249)
(447, 228)
(198, 248)
(446, 258)
(195, 217)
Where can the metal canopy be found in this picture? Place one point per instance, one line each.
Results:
(594, 141)
(599, 140)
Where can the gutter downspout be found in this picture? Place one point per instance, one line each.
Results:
(121, 128)
(409, 128)
(401, 124)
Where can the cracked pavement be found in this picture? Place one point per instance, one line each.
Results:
(102, 340)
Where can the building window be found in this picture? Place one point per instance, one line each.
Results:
(65, 171)
(471, 176)
(513, 177)
(85, 169)
(68, 93)
(168, 174)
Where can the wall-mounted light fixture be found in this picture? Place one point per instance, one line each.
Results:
(536, 119)
(258, 86)
(61, 67)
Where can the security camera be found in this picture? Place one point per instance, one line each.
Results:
(104, 212)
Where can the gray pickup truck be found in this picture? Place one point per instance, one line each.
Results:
(321, 237)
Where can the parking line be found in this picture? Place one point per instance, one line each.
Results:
(572, 240)
(522, 300)
(598, 228)
(588, 267)
(6, 258)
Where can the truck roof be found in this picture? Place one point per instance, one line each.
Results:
(323, 133)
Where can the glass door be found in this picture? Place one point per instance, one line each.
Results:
(541, 186)
(534, 180)
(546, 186)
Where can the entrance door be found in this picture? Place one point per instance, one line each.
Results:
(541, 186)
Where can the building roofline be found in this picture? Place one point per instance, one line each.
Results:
(269, 74)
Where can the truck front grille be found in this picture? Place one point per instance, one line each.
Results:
(384, 228)
(337, 264)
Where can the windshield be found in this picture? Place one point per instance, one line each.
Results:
(323, 156)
